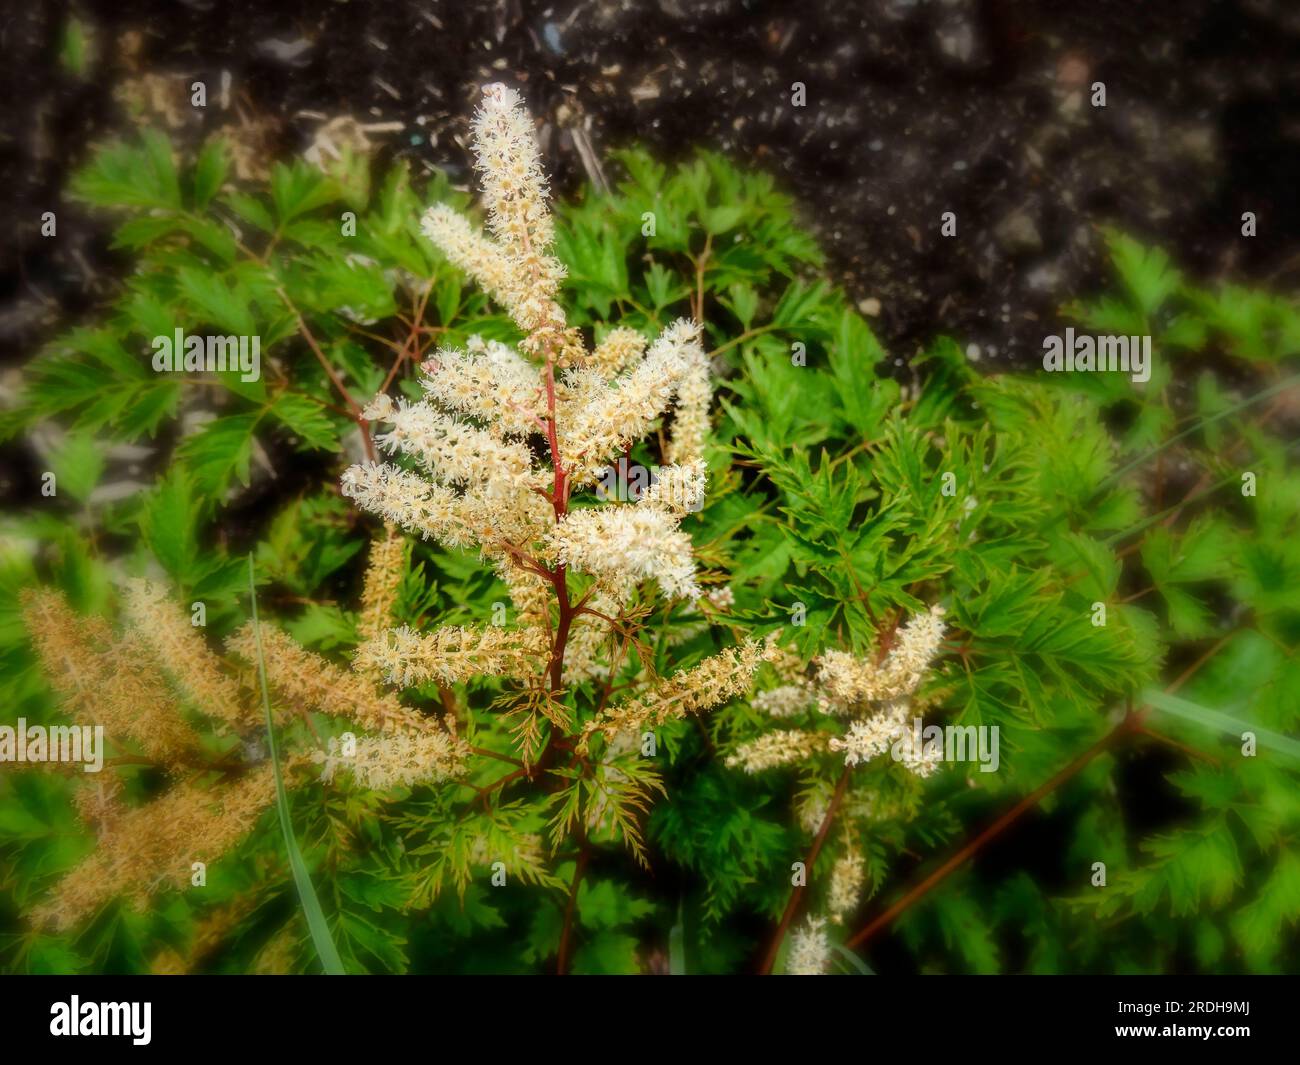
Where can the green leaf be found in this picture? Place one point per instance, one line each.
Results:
(74, 47)
(251, 210)
(720, 219)
(298, 189)
(170, 524)
(743, 303)
(607, 953)
(124, 175)
(225, 306)
(311, 908)
(308, 419)
(210, 171)
(213, 236)
(220, 451)
(77, 464)
(1220, 722)
(1145, 272)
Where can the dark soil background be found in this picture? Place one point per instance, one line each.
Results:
(914, 107)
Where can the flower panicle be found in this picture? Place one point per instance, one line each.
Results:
(810, 949)
(308, 682)
(622, 545)
(848, 682)
(384, 572)
(623, 412)
(108, 680)
(402, 759)
(705, 685)
(154, 845)
(451, 654)
(618, 351)
(451, 450)
(180, 651)
(512, 265)
(490, 382)
(773, 750)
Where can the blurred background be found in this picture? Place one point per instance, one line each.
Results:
(914, 107)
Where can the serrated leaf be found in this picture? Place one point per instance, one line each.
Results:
(209, 172)
(77, 464)
(219, 452)
(308, 419)
(169, 523)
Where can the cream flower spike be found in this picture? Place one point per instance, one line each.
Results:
(512, 264)
(502, 446)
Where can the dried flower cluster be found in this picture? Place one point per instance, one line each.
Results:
(137, 686)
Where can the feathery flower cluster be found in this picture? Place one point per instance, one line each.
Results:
(98, 802)
(481, 481)
(723, 598)
(155, 844)
(451, 654)
(847, 682)
(786, 700)
(774, 749)
(383, 579)
(512, 265)
(620, 348)
(847, 876)
(710, 682)
(184, 656)
(810, 950)
(850, 685)
(877, 698)
(108, 681)
(115, 681)
(210, 932)
(622, 545)
(691, 423)
(490, 382)
(622, 413)
(678, 489)
(407, 500)
(311, 683)
(452, 451)
(913, 754)
(404, 758)
(812, 809)
(489, 515)
(868, 737)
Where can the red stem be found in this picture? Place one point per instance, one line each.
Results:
(792, 907)
(562, 961)
(1130, 724)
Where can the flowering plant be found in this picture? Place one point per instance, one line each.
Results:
(586, 724)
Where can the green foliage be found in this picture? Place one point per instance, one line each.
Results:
(830, 499)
